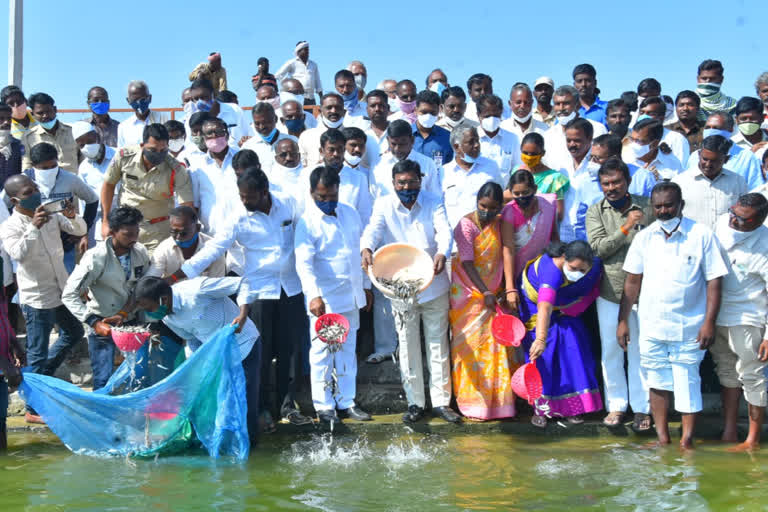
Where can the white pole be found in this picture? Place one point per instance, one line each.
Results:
(15, 41)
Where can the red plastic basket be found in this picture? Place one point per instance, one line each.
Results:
(507, 330)
(129, 341)
(526, 382)
(330, 319)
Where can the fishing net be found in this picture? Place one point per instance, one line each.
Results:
(202, 399)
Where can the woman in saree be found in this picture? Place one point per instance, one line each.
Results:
(555, 288)
(481, 367)
(528, 222)
(548, 181)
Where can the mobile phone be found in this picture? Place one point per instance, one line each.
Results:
(56, 206)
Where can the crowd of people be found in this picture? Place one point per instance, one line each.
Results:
(629, 228)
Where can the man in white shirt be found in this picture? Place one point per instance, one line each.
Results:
(709, 190)
(285, 174)
(655, 108)
(328, 263)
(400, 140)
(581, 173)
(643, 150)
(354, 152)
(130, 131)
(377, 108)
(496, 143)
(331, 116)
(740, 350)
(410, 216)
(466, 174)
(293, 90)
(214, 184)
(406, 102)
(344, 81)
(453, 109)
(479, 85)
(304, 70)
(203, 100)
(92, 168)
(266, 135)
(272, 287)
(566, 109)
(521, 121)
(677, 263)
(32, 237)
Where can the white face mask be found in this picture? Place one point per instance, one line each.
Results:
(91, 150)
(176, 145)
(564, 120)
(46, 179)
(286, 96)
(639, 151)
(572, 275)
(352, 160)
(451, 122)
(490, 124)
(670, 225)
(437, 87)
(333, 124)
(394, 106)
(592, 168)
(427, 120)
(522, 119)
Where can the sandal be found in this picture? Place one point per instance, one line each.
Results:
(642, 422)
(377, 358)
(539, 421)
(575, 420)
(613, 419)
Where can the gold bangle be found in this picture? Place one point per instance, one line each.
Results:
(122, 314)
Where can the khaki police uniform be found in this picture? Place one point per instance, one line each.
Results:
(151, 192)
(63, 140)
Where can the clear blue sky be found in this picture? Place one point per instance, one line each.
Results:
(74, 44)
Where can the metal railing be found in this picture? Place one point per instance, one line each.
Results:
(313, 109)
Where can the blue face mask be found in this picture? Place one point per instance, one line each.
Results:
(407, 196)
(48, 125)
(350, 100)
(268, 138)
(621, 203)
(31, 202)
(714, 131)
(158, 314)
(327, 207)
(99, 107)
(468, 158)
(186, 244)
(141, 106)
(202, 105)
(294, 125)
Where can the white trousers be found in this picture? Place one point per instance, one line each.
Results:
(617, 396)
(735, 353)
(322, 362)
(434, 315)
(384, 334)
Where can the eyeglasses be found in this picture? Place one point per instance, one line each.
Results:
(219, 132)
(740, 220)
(286, 154)
(408, 183)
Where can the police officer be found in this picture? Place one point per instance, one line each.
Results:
(151, 179)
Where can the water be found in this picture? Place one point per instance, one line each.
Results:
(493, 471)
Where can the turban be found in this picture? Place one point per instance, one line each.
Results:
(300, 46)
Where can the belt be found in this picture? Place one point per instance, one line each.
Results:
(158, 220)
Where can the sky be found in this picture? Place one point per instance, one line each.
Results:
(72, 45)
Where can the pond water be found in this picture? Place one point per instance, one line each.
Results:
(492, 471)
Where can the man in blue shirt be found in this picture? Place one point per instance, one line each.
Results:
(585, 81)
(430, 140)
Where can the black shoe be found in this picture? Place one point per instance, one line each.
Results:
(328, 417)
(355, 413)
(414, 414)
(294, 417)
(447, 414)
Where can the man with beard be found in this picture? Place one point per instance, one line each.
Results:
(543, 89)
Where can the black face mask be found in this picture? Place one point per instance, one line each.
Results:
(524, 201)
(155, 157)
(620, 130)
(621, 203)
(487, 215)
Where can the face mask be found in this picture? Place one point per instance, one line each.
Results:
(327, 207)
(749, 128)
(351, 159)
(572, 275)
(157, 315)
(268, 138)
(19, 111)
(407, 107)
(708, 132)
(31, 202)
(202, 105)
(350, 100)
(620, 130)
(524, 201)
(643, 117)
(46, 178)
(407, 196)
(621, 203)
(360, 81)
(490, 124)
(592, 168)
(99, 107)
(294, 125)
(427, 120)
(708, 89)
(437, 87)
(639, 151)
(564, 120)
(394, 105)
(188, 107)
(468, 158)
(155, 157)
(729, 237)
(332, 124)
(176, 145)
(286, 96)
(669, 225)
(91, 150)
(48, 125)
(486, 215)
(531, 161)
(451, 122)
(186, 244)
(198, 141)
(216, 145)
(141, 106)
(523, 119)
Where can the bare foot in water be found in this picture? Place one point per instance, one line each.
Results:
(729, 437)
(746, 446)
(686, 445)
(655, 444)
